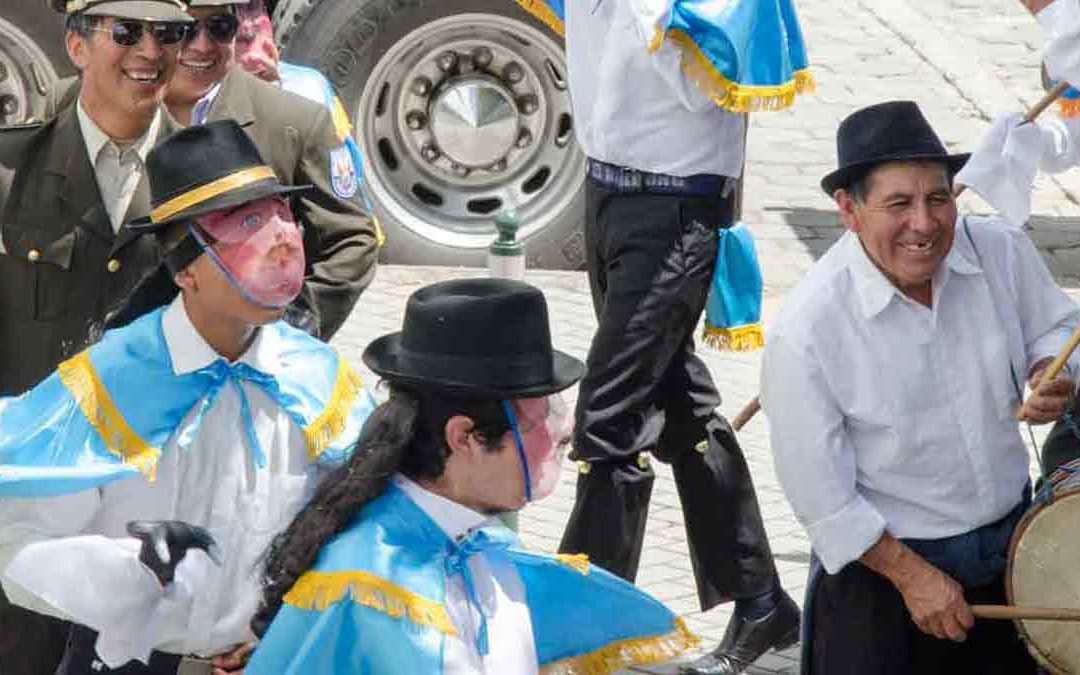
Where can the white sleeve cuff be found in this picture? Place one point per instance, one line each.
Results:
(844, 536)
(1058, 15)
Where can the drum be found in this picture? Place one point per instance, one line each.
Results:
(1044, 571)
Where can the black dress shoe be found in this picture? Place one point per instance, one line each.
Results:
(744, 641)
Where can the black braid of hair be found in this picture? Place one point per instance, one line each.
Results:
(405, 434)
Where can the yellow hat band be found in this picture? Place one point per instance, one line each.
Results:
(209, 191)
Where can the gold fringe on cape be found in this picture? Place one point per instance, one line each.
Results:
(543, 13)
(738, 339)
(578, 561)
(626, 653)
(740, 98)
(1069, 107)
(80, 378)
(319, 590)
(332, 420)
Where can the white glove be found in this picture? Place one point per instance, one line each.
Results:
(1003, 169)
(1061, 25)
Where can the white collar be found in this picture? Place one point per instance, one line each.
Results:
(453, 518)
(96, 139)
(189, 352)
(874, 289)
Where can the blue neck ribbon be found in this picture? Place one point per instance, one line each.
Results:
(457, 562)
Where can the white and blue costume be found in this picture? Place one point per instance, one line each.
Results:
(410, 587)
(151, 423)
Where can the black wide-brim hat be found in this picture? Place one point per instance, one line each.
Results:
(482, 338)
(205, 168)
(887, 132)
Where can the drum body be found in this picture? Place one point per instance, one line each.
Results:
(1044, 571)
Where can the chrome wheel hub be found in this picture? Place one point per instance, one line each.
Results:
(464, 117)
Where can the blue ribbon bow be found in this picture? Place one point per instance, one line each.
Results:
(221, 373)
(457, 562)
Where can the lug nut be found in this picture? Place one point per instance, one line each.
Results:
(429, 152)
(528, 104)
(446, 61)
(9, 105)
(500, 165)
(3, 72)
(459, 170)
(415, 120)
(524, 138)
(513, 73)
(481, 57)
(421, 86)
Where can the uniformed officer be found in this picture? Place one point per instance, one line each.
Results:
(300, 141)
(66, 260)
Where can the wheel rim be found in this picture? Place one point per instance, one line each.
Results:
(25, 75)
(464, 117)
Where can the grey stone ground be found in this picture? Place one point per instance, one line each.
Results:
(963, 61)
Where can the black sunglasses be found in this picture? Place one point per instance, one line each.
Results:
(220, 27)
(128, 32)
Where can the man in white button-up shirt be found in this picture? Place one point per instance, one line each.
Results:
(892, 379)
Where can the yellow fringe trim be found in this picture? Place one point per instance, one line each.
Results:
(80, 378)
(342, 125)
(626, 653)
(332, 420)
(1069, 107)
(740, 98)
(578, 561)
(319, 590)
(540, 10)
(739, 339)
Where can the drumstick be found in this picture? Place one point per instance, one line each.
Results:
(748, 411)
(1036, 110)
(1056, 365)
(1026, 613)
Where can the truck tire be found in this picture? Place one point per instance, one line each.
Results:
(462, 110)
(31, 57)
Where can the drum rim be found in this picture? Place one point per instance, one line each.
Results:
(1033, 511)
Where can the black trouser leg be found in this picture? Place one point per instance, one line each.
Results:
(30, 643)
(1061, 445)
(81, 659)
(861, 625)
(651, 261)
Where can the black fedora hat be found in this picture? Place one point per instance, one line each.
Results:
(483, 338)
(204, 168)
(886, 132)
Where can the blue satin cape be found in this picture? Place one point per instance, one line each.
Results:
(374, 604)
(108, 412)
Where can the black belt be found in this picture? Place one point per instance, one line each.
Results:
(623, 179)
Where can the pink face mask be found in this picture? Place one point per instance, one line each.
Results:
(259, 249)
(255, 48)
(543, 442)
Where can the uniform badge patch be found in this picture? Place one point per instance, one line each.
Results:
(343, 175)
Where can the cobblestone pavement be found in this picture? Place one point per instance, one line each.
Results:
(963, 61)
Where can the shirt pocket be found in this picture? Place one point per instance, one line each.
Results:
(35, 267)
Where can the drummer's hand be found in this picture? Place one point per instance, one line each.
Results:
(936, 603)
(1034, 6)
(233, 662)
(1047, 401)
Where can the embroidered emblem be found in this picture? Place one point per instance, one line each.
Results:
(343, 176)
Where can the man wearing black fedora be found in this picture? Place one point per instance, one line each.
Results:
(891, 379)
(201, 417)
(396, 565)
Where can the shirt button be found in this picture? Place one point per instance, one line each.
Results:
(113, 265)
(33, 255)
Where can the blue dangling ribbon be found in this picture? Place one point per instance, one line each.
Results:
(221, 373)
(457, 562)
